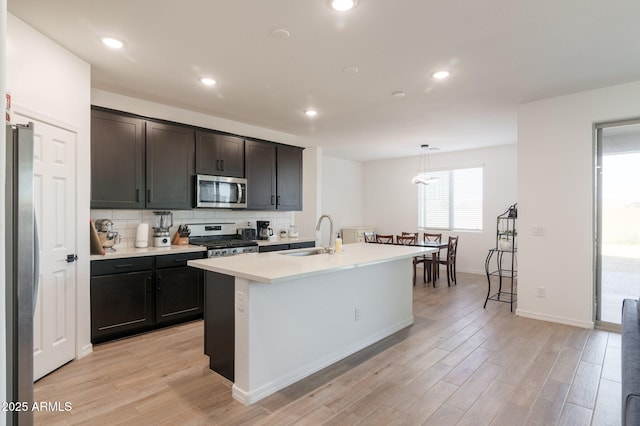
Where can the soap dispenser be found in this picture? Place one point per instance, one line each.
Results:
(338, 244)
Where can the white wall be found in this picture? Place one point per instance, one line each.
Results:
(50, 84)
(391, 200)
(556, 192)
(342, 193)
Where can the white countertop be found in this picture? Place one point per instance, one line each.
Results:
(286, 240)
(274, 267)
(148, 251)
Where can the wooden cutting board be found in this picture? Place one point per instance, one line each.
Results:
(96, 247)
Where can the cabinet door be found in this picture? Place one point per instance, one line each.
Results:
(219, 155)
(232, 156)
(260, 167)
(121, 304)
(289, 178)
(170, 166)
(117, 161)
(179, 294)
(207, 153)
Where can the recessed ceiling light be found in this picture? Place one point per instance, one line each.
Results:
(343, 5)
(111, 42)
(398, 94)
(310, 112)
(439, 75)
(208, 81)
(350, 70)
(280, 33)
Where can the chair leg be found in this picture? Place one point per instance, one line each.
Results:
(414, 272)
(426, 268)
(448, 274)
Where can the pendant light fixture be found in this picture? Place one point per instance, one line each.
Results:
(424, 169)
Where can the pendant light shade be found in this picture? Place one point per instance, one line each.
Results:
(424, 169)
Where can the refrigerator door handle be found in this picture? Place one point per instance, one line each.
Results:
(36, 261)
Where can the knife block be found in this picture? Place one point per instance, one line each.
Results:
(179, 241)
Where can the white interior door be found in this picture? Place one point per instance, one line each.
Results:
(55, 199)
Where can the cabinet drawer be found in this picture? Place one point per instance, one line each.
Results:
(173, 260)
(273, 247)
(305, 244)
(118, 266)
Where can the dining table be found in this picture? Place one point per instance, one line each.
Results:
(434, 255)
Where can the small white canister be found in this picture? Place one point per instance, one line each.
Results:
(142, 235)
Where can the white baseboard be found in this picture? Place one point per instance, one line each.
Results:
(84, 351)
(554, 318)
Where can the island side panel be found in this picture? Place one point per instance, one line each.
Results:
(219, 323)
(289, 330)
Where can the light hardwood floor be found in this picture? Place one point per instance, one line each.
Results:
(459, 364)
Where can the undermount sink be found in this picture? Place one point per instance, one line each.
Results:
(304, 252)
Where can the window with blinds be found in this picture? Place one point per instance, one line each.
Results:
(453, 202)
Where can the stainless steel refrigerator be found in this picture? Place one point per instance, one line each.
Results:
(21, 249)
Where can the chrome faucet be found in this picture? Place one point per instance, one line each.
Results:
(330, 248)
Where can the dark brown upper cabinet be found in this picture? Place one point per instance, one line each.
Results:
(138, 163)
(274, 176)
(289, 178)
(219, 155)
(117, 161)
(170, 166)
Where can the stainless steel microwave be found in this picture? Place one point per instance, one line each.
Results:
(221, 192)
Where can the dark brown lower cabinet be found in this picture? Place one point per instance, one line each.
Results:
(121, 304)
(219, 323)
(179, 294)
(133, 295)
(280, 247)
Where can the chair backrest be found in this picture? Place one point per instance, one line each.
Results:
(369, 237)
(409, 234)
(407, 240)
(432, 237)
(384, 239)
(452, 248)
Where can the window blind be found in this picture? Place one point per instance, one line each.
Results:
(454, 202)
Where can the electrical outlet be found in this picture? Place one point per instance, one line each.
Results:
(240, 301)
(356, 314)
(541, 292)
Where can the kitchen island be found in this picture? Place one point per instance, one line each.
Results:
(272, 319)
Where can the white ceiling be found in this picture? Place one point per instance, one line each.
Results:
(501, 53)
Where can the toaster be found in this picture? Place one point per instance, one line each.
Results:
(247, 233)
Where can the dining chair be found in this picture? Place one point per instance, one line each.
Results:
(384, 239)
(406, 240)
(450, 261)
(409, 239)
(369, 237)
(434, 238)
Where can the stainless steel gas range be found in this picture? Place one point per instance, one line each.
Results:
(220, 239)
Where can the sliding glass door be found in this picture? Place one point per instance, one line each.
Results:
(618, 218)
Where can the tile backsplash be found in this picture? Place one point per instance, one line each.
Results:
(126, 221)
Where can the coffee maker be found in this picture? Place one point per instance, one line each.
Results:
(161, 235)
(264, 232)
